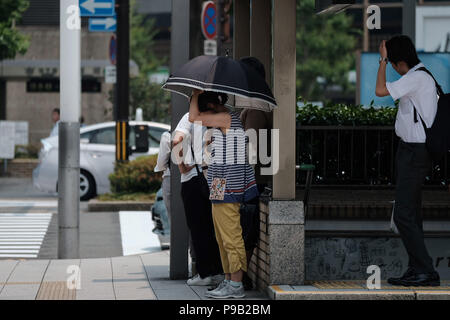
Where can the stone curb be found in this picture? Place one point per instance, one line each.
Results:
(114, 206)
(282, 293)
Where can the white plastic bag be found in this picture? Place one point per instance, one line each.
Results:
(393, 226)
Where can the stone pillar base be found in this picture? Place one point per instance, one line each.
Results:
(279, 257)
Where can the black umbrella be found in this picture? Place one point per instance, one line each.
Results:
(244, 86)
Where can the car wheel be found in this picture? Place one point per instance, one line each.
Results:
(87, 185)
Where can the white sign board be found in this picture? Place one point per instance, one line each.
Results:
(7, 136)
(210, 47)
(110, 74)
(433, 28)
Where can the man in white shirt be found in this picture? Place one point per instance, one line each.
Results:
(418, 100)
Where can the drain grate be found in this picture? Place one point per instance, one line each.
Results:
(57, 290)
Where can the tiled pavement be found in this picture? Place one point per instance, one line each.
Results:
(132, 277)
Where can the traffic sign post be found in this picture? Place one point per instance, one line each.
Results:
(209, 20)
(107, 24)
(97, 8)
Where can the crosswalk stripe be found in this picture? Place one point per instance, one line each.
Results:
(22, 234)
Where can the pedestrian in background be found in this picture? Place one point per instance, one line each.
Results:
(416, 90)
(55, 120)
(163, 164)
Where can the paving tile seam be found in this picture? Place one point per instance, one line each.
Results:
(9, 276)
(42, 279)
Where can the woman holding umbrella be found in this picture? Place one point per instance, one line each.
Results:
(231, 182)
(231, 179)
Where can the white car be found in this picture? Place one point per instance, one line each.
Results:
(97, 157)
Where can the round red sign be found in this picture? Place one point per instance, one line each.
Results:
(209, 20)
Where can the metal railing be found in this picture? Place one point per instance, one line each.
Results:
(355, 155)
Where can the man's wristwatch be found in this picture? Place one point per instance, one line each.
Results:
(383, 59)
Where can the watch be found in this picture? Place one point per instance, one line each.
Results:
(383, 59)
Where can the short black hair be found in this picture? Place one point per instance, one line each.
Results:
(56, 110)
(255, 64)
(401, 48)
(211, 97)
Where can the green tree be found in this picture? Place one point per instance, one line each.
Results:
(11, 40)
(325, 48)
(150, 97)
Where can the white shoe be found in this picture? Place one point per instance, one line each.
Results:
(199, 281)
(228, 291)
(219, 287)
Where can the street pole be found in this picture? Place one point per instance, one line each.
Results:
(123, 74)
(409, 19)
(69, 131)
(179, 233)
(220, 20)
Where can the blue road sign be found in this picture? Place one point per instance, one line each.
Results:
(97, 8)
(107, 24)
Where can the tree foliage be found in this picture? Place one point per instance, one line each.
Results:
(143, 94)
(325, 48)
(11, 40)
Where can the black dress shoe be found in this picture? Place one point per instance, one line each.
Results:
(396, 281)
(422, 280)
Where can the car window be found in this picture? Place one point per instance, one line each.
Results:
(103, 136)
(154, 136)
(86, 135)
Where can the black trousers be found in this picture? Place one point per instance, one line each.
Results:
(197, 207)
(413, 164)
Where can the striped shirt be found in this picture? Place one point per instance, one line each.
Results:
(229, 160)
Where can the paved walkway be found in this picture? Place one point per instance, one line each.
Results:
(137, 277)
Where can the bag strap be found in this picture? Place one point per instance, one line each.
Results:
(439, 92)
(438, 87)
(195, 162)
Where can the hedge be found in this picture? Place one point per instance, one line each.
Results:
(136, 176)
(348, 115)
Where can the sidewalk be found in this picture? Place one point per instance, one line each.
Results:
(138, 277)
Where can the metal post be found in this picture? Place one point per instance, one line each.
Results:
(69, 131)
(123, 74)
(179, 235)
(409, 19)
(220, 20)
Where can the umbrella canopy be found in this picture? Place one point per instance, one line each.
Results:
(244, 86)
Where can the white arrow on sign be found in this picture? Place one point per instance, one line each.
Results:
(107, 22)
(91, 5)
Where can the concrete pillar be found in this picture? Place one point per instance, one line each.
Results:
(261, 34)
(179, 234)
(409, 19)
(241, 37)
(284, 67)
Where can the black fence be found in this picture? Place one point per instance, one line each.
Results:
(347, 155)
